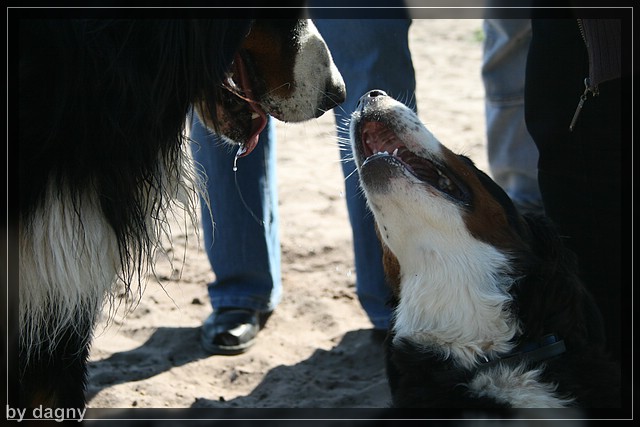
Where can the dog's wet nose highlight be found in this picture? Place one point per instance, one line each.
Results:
(370, 96)
(375, 93)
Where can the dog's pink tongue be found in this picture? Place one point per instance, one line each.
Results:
(259, 117)
(257, 125)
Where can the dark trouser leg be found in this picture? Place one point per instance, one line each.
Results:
(579, 172)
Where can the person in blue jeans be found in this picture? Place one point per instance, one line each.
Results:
(245, 253)
(511, 151)
(241, 238)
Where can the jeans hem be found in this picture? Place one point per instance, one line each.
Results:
(250, 303)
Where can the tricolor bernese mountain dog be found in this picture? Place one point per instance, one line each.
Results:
(489, 309)
(102, 117)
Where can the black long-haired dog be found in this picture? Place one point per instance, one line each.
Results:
(102, 108)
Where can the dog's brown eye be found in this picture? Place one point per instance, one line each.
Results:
(232, 101)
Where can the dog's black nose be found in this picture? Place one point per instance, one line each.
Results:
(369, 97)
(374, 93)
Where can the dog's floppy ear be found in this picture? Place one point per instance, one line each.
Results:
(514, 218)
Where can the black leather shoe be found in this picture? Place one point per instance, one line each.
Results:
(230, 331)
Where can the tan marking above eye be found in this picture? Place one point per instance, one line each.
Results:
(273, 59)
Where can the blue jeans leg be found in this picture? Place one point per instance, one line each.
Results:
(242, 242)
(370, 54)
(512, 154)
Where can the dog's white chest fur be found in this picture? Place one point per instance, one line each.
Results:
(453, 292)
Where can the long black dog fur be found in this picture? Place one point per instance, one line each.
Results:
(101, 102)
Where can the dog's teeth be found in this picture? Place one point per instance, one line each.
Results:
(395, 152)
(254, 116)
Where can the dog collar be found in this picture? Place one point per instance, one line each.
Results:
(547, 347)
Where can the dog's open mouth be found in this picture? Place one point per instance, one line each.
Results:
(380, 141)
(239, 82)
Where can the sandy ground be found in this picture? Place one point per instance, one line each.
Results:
(316, 350)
